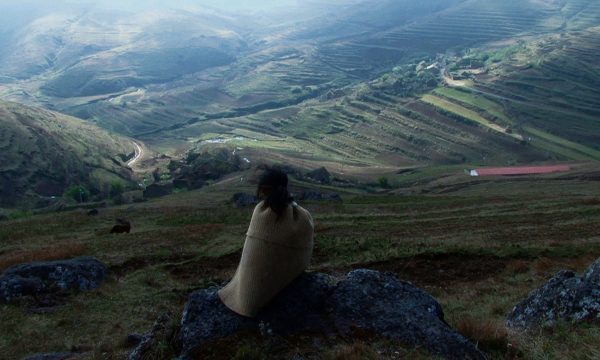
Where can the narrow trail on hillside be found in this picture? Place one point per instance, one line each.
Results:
(139, 152)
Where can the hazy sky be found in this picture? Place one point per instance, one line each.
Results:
(241, 5)
(16, 13)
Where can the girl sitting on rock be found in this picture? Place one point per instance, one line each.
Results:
(278, 248)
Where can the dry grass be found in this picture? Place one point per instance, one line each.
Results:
(488, 334)
(518, 267)
(591, 201)
(56, 252)
(547, 266)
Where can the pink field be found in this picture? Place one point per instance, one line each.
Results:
(522, 170)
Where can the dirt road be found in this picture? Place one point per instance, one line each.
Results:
(139, 152)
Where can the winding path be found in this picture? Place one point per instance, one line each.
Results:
(139, 152)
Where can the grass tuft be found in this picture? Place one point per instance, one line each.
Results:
(490, 335)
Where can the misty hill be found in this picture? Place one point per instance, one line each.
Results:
(105, 52)
(43, 152)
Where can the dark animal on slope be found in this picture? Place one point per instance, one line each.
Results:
(122, 227)
(93, 212)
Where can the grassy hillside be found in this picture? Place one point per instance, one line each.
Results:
(479, 250)
(42, 153)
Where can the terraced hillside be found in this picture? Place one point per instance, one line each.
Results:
(42, 153)
(363, 98)
(465, 24)
(268, 67)
(545, 91)
(530, 102)
(521, 101)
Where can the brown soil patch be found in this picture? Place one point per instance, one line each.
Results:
(58, 252)
(441, 270)
(547, 266)
(222, 268)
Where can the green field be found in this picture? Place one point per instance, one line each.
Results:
(514, 238)
(466, 113)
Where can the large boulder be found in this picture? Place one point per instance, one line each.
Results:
(380, 303)
(320, 175)
(366, 301)
(564, 297)
(39, 278)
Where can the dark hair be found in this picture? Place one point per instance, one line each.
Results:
(278, 197)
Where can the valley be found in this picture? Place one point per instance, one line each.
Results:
(282, 86)
(162, 117)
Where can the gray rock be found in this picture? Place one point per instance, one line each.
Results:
(564, 297)
(38, 278)
(53, 356)
(206, 319)
(150, 338)
(371, 301)
(367, 301)
(134, 339)
(13, 287)
(300, 307)
(244, 200)
(592, 275)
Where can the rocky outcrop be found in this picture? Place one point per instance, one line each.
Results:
(365, 301)
(39, 278)
(564, 297)
(148, 340)
(242, 200)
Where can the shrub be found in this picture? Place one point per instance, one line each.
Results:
(383, 182)
(78, 193)
(19, 214)
(116, 189)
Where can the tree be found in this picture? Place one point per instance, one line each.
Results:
(116, 189)
(384, 182)
(78, 193)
